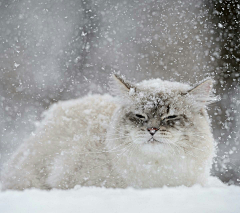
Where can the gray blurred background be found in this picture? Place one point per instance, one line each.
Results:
(54, 50)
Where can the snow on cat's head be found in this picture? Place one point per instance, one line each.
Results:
(160, 116)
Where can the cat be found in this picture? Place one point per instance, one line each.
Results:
(152, 134)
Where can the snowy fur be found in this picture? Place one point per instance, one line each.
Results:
(99, 140)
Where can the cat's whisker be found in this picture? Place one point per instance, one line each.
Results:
(170, 145)
(126, 148)
(178, 148)
(189, 153)
(114, 134)
(133, 150)
(118, 135)
(198, 148)
(118, 138)
(121, 145)
(108, 151)
(188, 145)
(121, 155)
(185, 151)
(182, 148)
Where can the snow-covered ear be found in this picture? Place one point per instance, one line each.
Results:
(120, 86)
(202, 94)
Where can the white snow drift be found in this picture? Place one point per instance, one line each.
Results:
(88, 200)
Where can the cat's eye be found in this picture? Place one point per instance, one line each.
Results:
(171, 117)
(142, 117)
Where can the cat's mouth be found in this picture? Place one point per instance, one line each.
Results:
(153, 140)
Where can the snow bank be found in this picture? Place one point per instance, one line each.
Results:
(90, 200)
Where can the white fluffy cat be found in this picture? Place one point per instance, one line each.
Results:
(154, 133)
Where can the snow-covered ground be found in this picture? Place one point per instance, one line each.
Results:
(90, 200)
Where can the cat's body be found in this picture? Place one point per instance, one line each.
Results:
(157, 134)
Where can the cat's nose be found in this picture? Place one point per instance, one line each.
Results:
(152, 130)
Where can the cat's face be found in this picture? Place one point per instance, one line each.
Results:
(154, 120)
(157, 119)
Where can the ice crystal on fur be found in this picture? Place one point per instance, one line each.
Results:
(153, 133)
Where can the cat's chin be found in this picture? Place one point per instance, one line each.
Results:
(156, 146)
(153, 147)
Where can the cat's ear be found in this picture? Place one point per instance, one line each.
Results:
(120, 86)
(202, 94)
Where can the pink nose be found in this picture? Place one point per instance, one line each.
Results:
(152, 130)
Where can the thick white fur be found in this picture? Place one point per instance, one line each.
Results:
(79, 142)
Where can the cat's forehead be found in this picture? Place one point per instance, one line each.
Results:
(157, 96)
(151, 102)
(163, 87)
